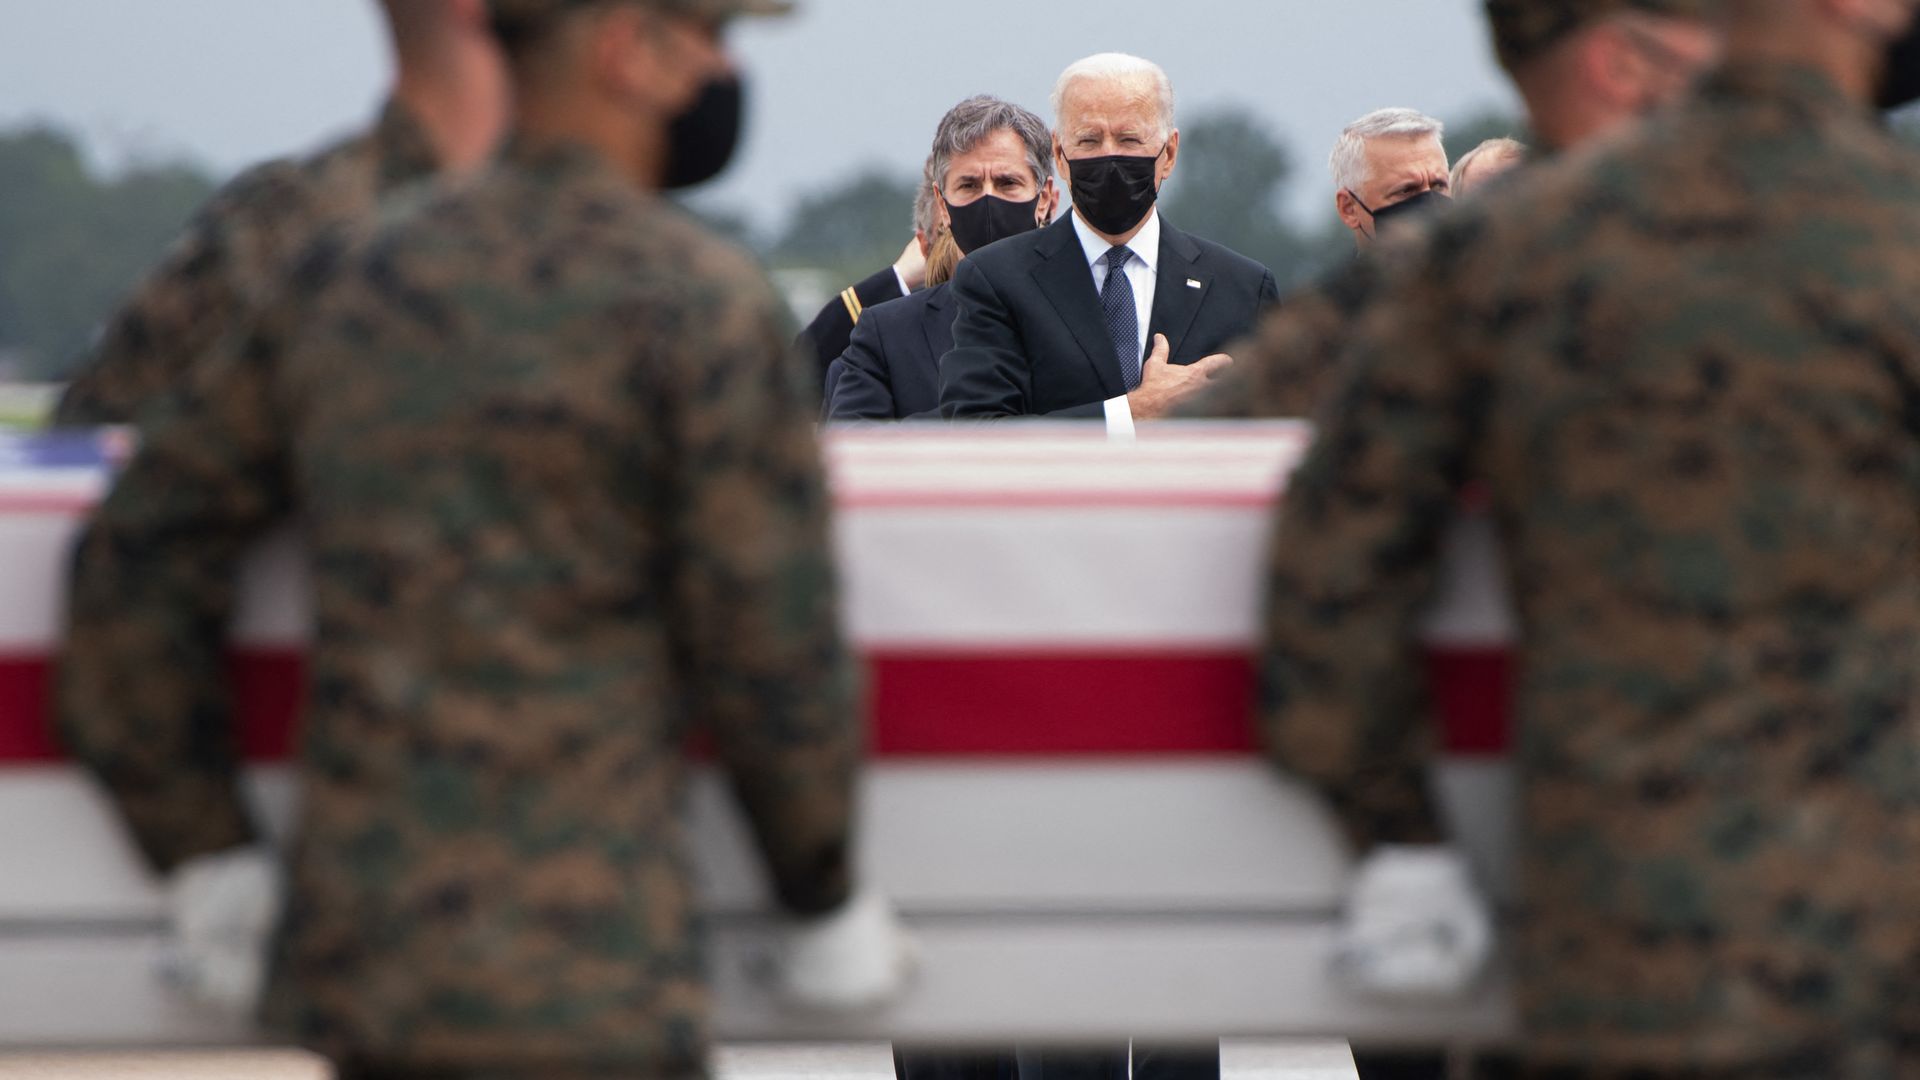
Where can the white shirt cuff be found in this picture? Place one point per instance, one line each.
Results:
(902, 279)
(1119, 419)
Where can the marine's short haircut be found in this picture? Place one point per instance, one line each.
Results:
(1121, 68)
(974, 120)
(1348, 162)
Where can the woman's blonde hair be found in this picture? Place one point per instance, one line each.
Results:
(943, 257)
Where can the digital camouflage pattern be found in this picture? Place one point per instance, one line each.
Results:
(556, 469)
(1687, 370)
(1525, 29)
(231, 263)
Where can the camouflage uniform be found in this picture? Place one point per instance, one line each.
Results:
(558, 476)
(1687, 368)
(1286, 367)
(232, 261)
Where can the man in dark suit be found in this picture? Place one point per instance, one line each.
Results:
(1112, 312)
(991, 174)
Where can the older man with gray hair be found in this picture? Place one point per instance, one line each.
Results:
(989, 177)
(1388, 164)
(1112, 312)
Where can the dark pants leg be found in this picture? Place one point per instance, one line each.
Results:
(1176, 1062)
(913, 1064)
(1103, 1063)
(1150, 1062)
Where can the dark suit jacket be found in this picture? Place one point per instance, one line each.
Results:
(825, 338)
(891, 369)
(1029, 337)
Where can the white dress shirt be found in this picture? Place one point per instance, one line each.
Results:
(1143, 273)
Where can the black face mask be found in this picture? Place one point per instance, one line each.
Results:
(701, 140)
(989, 218)
(1114, 193)
(1900, 83)
(1403, 211)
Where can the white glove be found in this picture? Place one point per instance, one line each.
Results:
(859, 957)
(1415, 926)
(221, 909)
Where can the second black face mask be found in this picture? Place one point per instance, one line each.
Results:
(702, 139)
(1114, 193)
(1403, 211)
(991, 218)
(1900, 83)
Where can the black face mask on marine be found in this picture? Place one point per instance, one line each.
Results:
(1403, 211)
(1114, 193)
(702, 139)
(989, 218)
(1900, 82)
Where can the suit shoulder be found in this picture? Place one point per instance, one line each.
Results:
(1011, 255)
(907, 311)
(1229, 259)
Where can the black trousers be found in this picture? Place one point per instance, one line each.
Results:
(1150, 1062)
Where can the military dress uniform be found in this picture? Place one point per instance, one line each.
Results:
(232, 261)
(556, 469)
(828, 335)
(1687, 371)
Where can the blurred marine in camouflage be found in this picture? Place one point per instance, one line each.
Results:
(446, 113)
(1584, 69)
(556, 468)
(1687, 368)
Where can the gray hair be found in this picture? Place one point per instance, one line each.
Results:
(1492, 150)
(973, 121)
(1120, 68)
(926, 204)
(1348, 162)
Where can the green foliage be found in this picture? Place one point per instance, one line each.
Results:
(852, 229)
(1228, 186)
(1462, 138)
(72, 243)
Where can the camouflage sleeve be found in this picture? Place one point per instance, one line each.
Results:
(184, 308)
(1353, 565)
(141, 690)
(1285, 367)
(756, 619)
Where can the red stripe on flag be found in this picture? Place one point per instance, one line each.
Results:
(1061, 704)
(925, 704)
(268, 687)
(1472, 690)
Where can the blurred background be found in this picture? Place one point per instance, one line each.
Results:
(118, 117)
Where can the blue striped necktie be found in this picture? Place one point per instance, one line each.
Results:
(1123, 318)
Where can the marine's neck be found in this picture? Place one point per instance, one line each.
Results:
(461, 100)
(636, 150)
(1797, 37)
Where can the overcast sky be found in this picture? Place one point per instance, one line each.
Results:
(845, 84)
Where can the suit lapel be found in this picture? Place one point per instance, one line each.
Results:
(1176, 301)
(936, 305)
(1067, 283)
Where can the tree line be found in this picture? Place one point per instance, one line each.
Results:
(73, 241)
